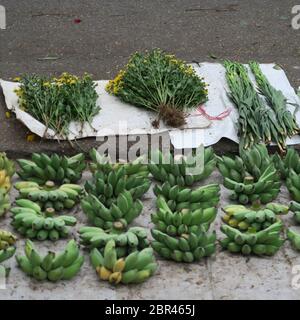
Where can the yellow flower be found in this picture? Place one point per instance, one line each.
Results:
(17, 79)
(46, 84)
(30, 137)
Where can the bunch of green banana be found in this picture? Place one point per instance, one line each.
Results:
(103, 163)
(181, 222)
(179, 198)
(4, 202)
(186, 248)
(30, 221)
(6, 254)
(7, 170)
(137, 267)
(49, 196)
(107, 187)
(42, 168)
(264, 242)
(295, 208)
(7, 165)
(291, 160)
(7, 239)
(252, 176)
(132, 240)
(166, 167)
(293, 184)
(294, 238)
(118, 216)
(5, 182)
(245, 219)
(52, 267)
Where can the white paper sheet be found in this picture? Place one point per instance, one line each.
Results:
(117, 118)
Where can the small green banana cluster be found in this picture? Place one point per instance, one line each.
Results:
(7, 170)
(186, 248)
(294, 238)
(49, 196)
(166, 167)
(42, 168)
(118, 216)
(52, 267)
(107, 187)
(137, 267)
(293, 184)
(133, 240)
(4, 202)
(30, 221)
(265, 242)
(7, 239)
(7, 165)
(295, 208)
(103, 163)
(6, 254)
(179, 198)
(245, 219)
(291, 160)
(177, 223)
(252, 176)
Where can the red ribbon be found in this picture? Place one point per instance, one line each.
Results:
(220, 116)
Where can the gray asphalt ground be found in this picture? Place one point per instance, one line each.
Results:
(42, 37)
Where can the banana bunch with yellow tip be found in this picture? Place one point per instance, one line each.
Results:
(294, 238)
(181, 170)
(7, 239)
(252, 176)
(265, 242)
(53, 267)
(291, 161)
(6, 254)
(5, 183)
(33, 223)
(176, 223)
(185, 248)
(179, 198)
(4, 202)
(61, 170)
(103, 163)
(246, 219)
(50, 196)
(7, 165)
(137, 267)
(118, 216)
(295, 208)
(132, 240)
(7, 170)
(108, 186)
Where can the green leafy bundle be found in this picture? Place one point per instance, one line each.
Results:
(56, 102)
(162, 83)
(277, 101)
(257, 122)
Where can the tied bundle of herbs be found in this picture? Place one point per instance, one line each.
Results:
(277, 101)
(257, 122)
(161, 83)
(56, 102)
